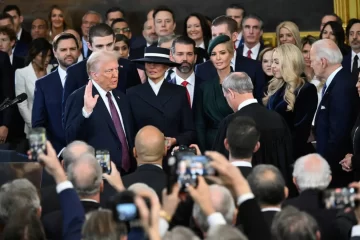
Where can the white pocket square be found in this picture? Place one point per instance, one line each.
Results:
(322, 107)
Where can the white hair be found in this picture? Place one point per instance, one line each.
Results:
(92, 64)
(94, 13)
(322, 50)
(239, 82)
(312, 172)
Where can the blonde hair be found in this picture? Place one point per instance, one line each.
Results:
(291, 67)
(293, 28)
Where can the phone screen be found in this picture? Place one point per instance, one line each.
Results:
(126, 211)
(37, 141)
(339, 198)
(103, 158)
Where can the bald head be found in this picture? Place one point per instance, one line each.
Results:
(312, 172)
(74, 150)
(149, 145)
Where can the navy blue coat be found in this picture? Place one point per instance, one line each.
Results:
(99, 130)
(346, 63)
(21, 49)
(334, 120)
(253, 68)
(46, 110)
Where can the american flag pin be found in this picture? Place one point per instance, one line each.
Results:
(121, 66)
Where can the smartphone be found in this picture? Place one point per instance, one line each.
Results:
(123, 206)
(339, 198)
(103, 158)
(191, 166)
(126, 212)
(37, 142)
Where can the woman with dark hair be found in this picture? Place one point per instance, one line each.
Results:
(197, 28)
(57, 20)
(334, 31)
(37, 66)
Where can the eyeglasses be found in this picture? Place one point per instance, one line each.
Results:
(120, 30)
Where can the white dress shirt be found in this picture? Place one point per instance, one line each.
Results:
(238, 40)
(247, 102)
(352, 59)
(240, 163)
(80, 58)
(156, 86)
(18, 35)
(62, 74)
(11, 58)
(202, 45)
(172, 74)
(191, 84)
(273, 209)
(233, 61)
(102, 94)
(254, 51)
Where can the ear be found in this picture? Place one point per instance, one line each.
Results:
(234, 36)
(38, 212)
(135, 153)
(226, 144)
(257, 146)
(286, 192)
(21, 18)
(318, 235)
(89, 46)
(62, 164)
(54, 52)
(261, 32)
(165, 150)
(12, 43)
(174, 27)
(295, 183)
(102, 186)
(171, 56)
(196, 56)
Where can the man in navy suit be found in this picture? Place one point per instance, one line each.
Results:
(99, 114)
(22, 35)
(101, 37)
(237, 12)
(337, 110)
(226, 26)
(183, 52)
(47, 109)
(352, 60)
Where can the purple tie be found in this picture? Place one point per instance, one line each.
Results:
(125, 161)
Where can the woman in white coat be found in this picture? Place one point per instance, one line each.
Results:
(37, 66)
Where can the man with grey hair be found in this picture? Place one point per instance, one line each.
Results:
(294, 224)
(337, 110)
(311, 176)
(99, 114)
(225, 232)
(89, 19)
(222, 202)
(275, 138)
(166, 41)
(268, 186)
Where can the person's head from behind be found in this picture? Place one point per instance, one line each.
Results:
(121, 26)
(268, 185)
(265, 56)
(225, 232)
(24, 224)
(166, 41)
(15, 12)
(7, 39)
(73, 151)
(164, 20)
(242, 138)
(86, 176)
(236, 12)
(311, 172)
(291, 223)
(149, 145)
(113, 13)
(222, 202)
(288, 32)
(330, 17)
(237, 87)
(103, 67)
(196, 27)
(306, 43)
(354, 35)
(101, 37)
(39, 28)
(66, 49)
(221, 51)
(149, 32)
(17, 194)
(40, 53)
(122, 45)
(325, 57)
(224, 25)
(89, 19)
(183, 52)
(100, 225)
(180, 233)
(334, 31)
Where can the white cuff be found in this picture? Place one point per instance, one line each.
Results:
(216, 219)
(163, 227)
(63, 186)
(355, 231)
(244, 198)
(85, 114)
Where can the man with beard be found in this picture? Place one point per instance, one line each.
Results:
(183, 52)
(352, 60)
(150, 38)
(47, 108)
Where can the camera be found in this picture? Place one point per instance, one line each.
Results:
(339, 198)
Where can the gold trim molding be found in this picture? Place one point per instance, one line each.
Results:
(347, 9)
(270, 37)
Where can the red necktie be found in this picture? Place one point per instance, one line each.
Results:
(184, 84)
(125, 159)
(249, 53)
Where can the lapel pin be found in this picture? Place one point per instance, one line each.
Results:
(118, 97)
(121, 66)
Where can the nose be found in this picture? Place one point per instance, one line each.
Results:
(163, 23)
(217, 56)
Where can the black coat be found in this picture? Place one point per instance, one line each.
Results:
(25, 37)
(245, 171)
(269, 217)
(355, 160)
(169, 111)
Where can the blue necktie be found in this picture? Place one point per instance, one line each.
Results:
(323, 90)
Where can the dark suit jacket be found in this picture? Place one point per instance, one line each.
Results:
(240, 49)
(78, 77)
(18, 62)
(310, 201)
(202, 55)
(136, 42)
(245, 171)
(269, 217)
(51, 221)
(346, 63)
(169, 111)
(99, 130)
(25, 37)
(253, 68)
(334, 120)
(136, 53)
(46, 110)
(21, 49)
(149, 174)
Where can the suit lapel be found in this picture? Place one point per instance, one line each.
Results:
(164, 94)
(57, 81)
(147, 94)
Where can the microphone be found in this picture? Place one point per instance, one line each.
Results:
(20, 98)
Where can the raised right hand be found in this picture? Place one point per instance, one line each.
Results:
(89, 100)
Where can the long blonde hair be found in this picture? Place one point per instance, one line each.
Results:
(293, 28)
(291, 67)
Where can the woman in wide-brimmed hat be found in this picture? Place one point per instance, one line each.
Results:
(162, 104)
